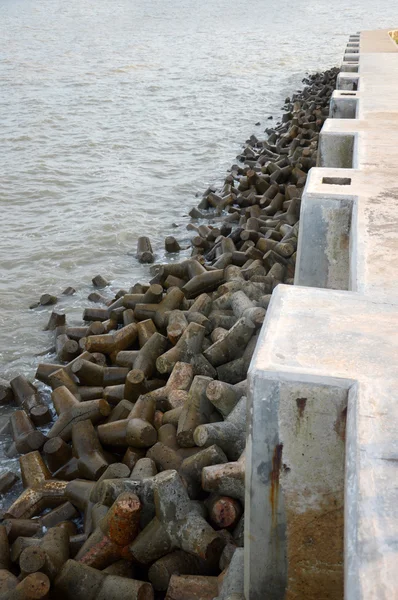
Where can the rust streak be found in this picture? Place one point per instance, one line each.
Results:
(274, 478)
(301, 402)
(340, 424)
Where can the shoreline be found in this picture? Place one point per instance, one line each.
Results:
(181, 354)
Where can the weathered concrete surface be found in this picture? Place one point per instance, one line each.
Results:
(349, 232)
(320, 348)
(344, 104)
(348, 228)
(323, 382)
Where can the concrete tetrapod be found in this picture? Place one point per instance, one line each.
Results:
(176, 325)
(187, 529)
(20, 544)
(4, 549)
(27, 397)
(196, 410)
(91, 461)
(205, 282)
(109, 542)
(71, 411)
(77, 581)
(111, 342)
(120, 411)
(78, 493)
(57, 453)
(144, 250)
(62, 513)
(199, 318)
(21, 527)
(145, 360)
(48, 556)
(151, 543)
(192, 587)
(26, 437)
(114, 471)
(92, 374)
(41, 491)
(171, 244)
(192, 466)
(33, 587)
(229, 435)
(8, 581)
(225, 396)
(157, 312)
(61, 377)
(7, 480)
(146, 329)
(224, 512)
(142, 485)
(136, 431)
(232, 345)
(236, 370)
(6, 393)
(226, 479)
(180, 379)
(189, 345)
(177, 562)
(165, 457)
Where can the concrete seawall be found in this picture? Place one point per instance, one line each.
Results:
(322, 440)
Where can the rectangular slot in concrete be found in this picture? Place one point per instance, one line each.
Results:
(336, 180)
(348, 94)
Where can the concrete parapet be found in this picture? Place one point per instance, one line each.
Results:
(322, 437)
(348, 212)
(338, 359)
(344, 104)
(348, 232)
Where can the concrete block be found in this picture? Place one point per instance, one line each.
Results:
(323, 356)
(338, 144)
(348, 218)
(348, 81)
(344, 104)
(327, 230)
(349, 67)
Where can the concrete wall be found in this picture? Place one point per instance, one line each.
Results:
(322, 440)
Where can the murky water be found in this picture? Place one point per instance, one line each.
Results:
(114, 114)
